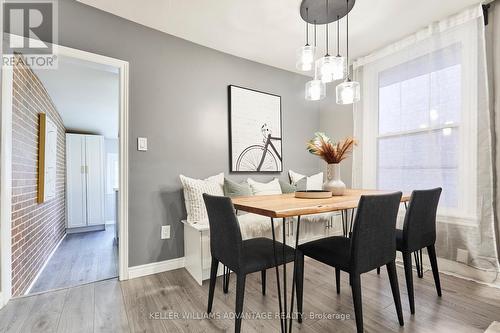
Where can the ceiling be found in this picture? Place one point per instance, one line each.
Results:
(85, 94)
(270, 31)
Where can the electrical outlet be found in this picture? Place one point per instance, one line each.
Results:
(165, 232)
(463, 256)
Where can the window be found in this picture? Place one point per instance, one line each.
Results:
(112, 173)
(423, 119)
(419, 124)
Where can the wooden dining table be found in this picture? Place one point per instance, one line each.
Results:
(287, 206)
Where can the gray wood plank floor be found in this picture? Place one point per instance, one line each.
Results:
(131, 306)
(81, 258)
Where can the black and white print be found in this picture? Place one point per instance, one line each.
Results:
(255, 128)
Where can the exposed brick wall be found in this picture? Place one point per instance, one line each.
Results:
(36, 228)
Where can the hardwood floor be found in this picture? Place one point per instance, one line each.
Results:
(157, 303)
(81, 258)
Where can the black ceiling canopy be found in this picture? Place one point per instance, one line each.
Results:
(314, 11)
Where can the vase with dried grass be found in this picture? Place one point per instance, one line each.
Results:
(332, 153)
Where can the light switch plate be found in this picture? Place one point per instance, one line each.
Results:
(165, 232)
(142, 144)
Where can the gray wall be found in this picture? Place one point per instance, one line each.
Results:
(178, 99)
(337, 122)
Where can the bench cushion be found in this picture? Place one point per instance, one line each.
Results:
(253, 225)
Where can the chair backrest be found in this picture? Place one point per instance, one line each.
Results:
(373, 242)
(419, 229)
(225, 233)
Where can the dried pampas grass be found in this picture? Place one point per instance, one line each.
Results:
(332, 152)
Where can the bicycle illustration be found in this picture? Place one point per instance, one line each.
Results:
(262, 157)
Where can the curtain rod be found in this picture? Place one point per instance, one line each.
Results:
(486, 6)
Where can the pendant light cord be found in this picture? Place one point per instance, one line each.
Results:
(327, 29)
(347, 35)
(315, 44)
(307, 26)
(338, 36)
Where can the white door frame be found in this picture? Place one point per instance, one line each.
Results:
(6, 165)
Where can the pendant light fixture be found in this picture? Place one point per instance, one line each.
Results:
(330, 68)
(305, 55)
(349, 91)
(340, 70)
(315, 89)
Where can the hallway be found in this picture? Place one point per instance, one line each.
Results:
(81, 258)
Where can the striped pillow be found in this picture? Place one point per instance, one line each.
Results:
(193, 195)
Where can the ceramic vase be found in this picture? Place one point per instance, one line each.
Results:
(333, 182)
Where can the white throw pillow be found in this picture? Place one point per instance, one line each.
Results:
(314, 182)
(193, 195)
(273, 187)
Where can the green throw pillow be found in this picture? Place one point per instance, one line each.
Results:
(286, 187)
(233, 189)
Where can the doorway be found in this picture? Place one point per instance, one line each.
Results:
(98, 249)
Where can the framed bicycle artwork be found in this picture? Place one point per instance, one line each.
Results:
(255, 135)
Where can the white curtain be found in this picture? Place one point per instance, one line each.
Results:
(424, 121)
(493, 43)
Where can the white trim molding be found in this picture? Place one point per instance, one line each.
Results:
(155, 267)
(5, 183)
(122, 218)
(44, 265)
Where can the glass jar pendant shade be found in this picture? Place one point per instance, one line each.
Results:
(348, 92)
(305, 55)
(305, 58)
(315, 90)
(330, 68)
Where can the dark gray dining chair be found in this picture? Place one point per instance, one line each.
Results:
(419, 231)
(373, 244)
(240, 256)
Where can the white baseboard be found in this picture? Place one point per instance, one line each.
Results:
(482, 276)
(98, 227)
(43, 267)
(155, 267)
(457, 269)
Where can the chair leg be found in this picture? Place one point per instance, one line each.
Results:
(431, 250)
(213, 280)
(409, 280)
(240, 293)
(378, 270)
(337, 279)
(393, 278)
(356, 299)
(419, 263)
(225, 279)
(263, 278)
(300, 284)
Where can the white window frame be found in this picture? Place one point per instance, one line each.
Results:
(467, 164)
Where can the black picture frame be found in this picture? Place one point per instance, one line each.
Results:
(277, 154)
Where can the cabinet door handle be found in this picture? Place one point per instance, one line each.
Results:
(82, 170)
(86, 169)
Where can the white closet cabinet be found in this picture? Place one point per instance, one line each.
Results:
(84, 181)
